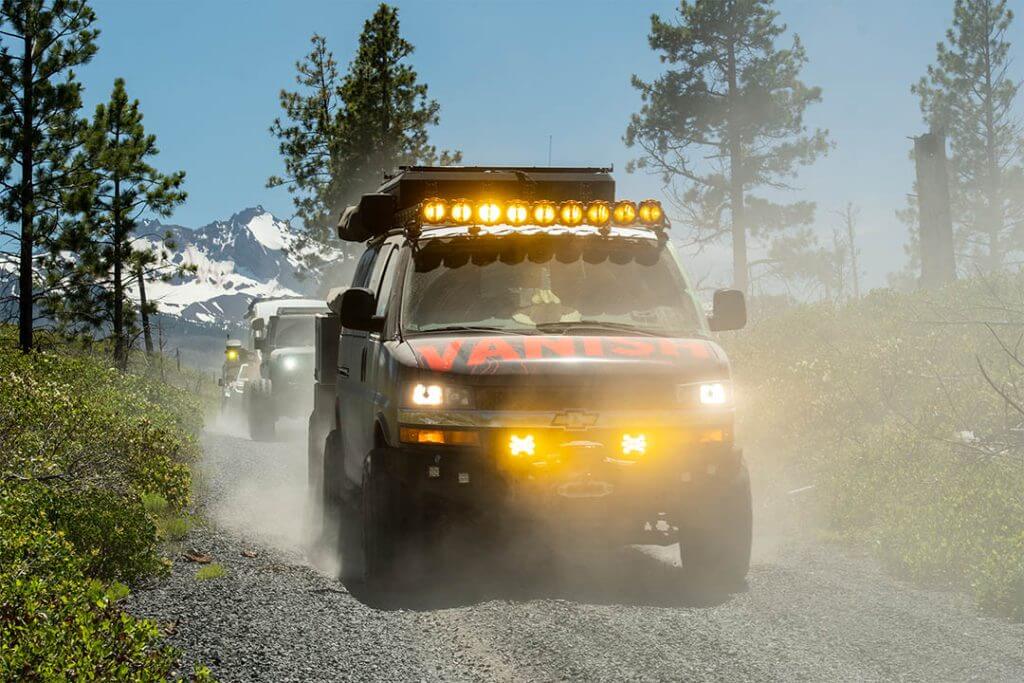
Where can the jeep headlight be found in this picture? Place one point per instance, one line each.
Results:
(289, 363)
(429, 395)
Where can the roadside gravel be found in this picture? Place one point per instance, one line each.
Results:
(810, 612)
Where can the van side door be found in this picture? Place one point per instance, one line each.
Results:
(350, 351)
(359, 393)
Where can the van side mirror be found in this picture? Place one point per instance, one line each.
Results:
(357, 310)
(334, 299)
(729, 311)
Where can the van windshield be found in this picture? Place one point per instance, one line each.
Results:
(548, 285)
(294, 330)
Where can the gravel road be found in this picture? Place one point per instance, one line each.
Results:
(809, 612)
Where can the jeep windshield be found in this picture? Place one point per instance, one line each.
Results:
(548, 285)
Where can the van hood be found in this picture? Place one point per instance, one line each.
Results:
(509, 355)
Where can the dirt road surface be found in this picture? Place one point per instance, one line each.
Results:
(809, 611)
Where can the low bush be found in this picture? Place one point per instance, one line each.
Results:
(904, 413)
(94, 465)
(210, 571)
(55, 623)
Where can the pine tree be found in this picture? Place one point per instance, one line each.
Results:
(339, 134)
(727, 118)
(42, 42)
(108, 256)
(309, 139)
(142, 260)
(846, 238)
(968, 95)
(386, 112)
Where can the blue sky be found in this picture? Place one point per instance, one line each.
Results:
(508, 75)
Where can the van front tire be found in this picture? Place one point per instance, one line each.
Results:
(715, 542)
(381, 520)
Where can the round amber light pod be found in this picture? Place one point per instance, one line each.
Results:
(434, 210)
(624, 212)
(488, 213)
(462, 211)
(544, 213)
(598, 213)
(570, 213)
(650, 212)
(517, 212)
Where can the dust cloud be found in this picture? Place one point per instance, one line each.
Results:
(259, 491)
(263, 493)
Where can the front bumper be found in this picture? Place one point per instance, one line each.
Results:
(575, 472)
(292, 399)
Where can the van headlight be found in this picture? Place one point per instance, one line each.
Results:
(706, 394)
(429, 395)
(714, 394)
(289, 363)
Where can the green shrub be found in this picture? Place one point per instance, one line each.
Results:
(170, 526)
(94, 471)
(210, 571)
(882, 406)
(55, 623)
(174, 528)
(155, 504)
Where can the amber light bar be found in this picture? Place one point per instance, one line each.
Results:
(515, 212)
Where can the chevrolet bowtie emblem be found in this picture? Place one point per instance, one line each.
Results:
(574, 419)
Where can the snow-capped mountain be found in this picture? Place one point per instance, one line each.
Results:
(252, 254)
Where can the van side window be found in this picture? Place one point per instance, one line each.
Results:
(365, 266)
(373, 284)
(384, 291)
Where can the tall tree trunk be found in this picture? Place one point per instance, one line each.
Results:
(993, 201)
(736, 201)
(147, 332)
(385, 128)
(851, 235)
(27, 201)
(120, 348)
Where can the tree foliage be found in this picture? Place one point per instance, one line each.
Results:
(726, 118)
(339, 134)
(41, 42)
(969, 95)
(904, 411)
(309, 138)
(106, 257)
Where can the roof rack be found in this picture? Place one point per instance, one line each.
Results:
(410, 186)
(261, 300)
(498, 169)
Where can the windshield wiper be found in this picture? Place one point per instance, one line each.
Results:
(564, 327)
(471, 328)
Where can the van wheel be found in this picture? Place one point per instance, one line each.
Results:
(260, 410)
(381, 520)
(716, 547)
(332, 506)
(316, 449)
